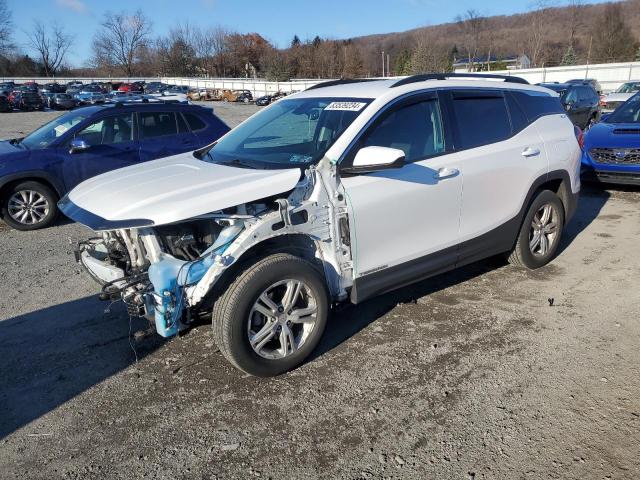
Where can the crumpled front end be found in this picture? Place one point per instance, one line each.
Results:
(165, 273)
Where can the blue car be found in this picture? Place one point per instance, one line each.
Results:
(612, 147)
(37, 170)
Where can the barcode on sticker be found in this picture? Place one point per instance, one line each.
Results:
(346, 106)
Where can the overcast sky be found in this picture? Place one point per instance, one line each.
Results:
(276, 20)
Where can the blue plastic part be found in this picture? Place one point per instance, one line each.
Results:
(168, 277)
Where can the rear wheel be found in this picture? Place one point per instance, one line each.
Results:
(29, 206)
(540, 233)
(272, 315)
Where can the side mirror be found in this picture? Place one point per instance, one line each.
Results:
(78, 145)
(604, 117)
(374, 159)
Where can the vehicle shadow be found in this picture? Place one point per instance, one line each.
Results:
(51, 355)
(592, 200)
(349, 320)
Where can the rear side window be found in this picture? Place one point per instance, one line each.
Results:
(194, 122)
(536, 104)
(157, 124)
(480, 119)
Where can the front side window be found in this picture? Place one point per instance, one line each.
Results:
(480, 119)
(45, 135)
(109, 130)
(291, 133)
(415, 129)
(157, 124)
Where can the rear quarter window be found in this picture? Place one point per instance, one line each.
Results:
(195, 122)
(536, 105)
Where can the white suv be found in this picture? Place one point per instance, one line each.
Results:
(338, 193)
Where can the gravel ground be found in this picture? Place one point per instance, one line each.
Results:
(485, 372)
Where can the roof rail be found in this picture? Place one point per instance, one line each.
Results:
(444, 76)
(342, 81)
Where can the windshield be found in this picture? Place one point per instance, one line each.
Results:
(46, 134)
(290, 133)
(628, 112)
(629, 88)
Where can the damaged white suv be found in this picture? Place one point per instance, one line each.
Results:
(341, 192)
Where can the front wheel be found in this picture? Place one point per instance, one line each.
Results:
(272, 315)
(29, 206)
(540, 233)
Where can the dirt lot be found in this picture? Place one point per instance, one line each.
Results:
(470, 375)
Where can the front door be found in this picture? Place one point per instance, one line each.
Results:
(112, 145)
(405, 221)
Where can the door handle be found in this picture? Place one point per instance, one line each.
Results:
(443, 173)
(530, 152)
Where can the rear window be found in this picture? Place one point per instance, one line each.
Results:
(536, 104)
(480, 119)
(195, 122)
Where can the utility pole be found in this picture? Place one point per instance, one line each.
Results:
(586, 73)
(388, 66)
(383, 63)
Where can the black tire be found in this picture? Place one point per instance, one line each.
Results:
(522, 254)
(231, 313)
(48, 194)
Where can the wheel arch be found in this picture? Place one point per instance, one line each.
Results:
(297, 244)
(41, 177)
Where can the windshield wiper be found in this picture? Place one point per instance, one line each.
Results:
(236, 162)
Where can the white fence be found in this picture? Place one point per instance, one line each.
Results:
(610, 76)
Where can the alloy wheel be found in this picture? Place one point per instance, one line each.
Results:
(282, 318)
(544, 230)
(28, 207)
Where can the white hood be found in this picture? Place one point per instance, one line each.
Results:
(176, 188)
(618, 97)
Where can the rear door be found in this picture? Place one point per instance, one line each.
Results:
(112, 144)
(499, 155)
(164, 133)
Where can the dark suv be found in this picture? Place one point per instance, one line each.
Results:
(37, 170)
(580, 100)
(27, 100)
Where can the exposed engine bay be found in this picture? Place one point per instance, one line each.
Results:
(166, 273)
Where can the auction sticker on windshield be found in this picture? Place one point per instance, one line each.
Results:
(346, 106)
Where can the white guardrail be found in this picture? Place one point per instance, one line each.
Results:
(610, 76)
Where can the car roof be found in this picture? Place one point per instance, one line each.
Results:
(142, 106)
(378, 88)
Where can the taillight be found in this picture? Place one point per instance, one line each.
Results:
(579, 136)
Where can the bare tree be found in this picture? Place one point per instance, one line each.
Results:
(538, 32)
(576, 19)
(613, 40)
(120, 40)
(472, 25)
(51, 44)
(6, 27)
(428, 56)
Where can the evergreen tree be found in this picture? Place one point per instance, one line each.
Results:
(295, 42)
(638, 55)
(569, 57)
(403, 63)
